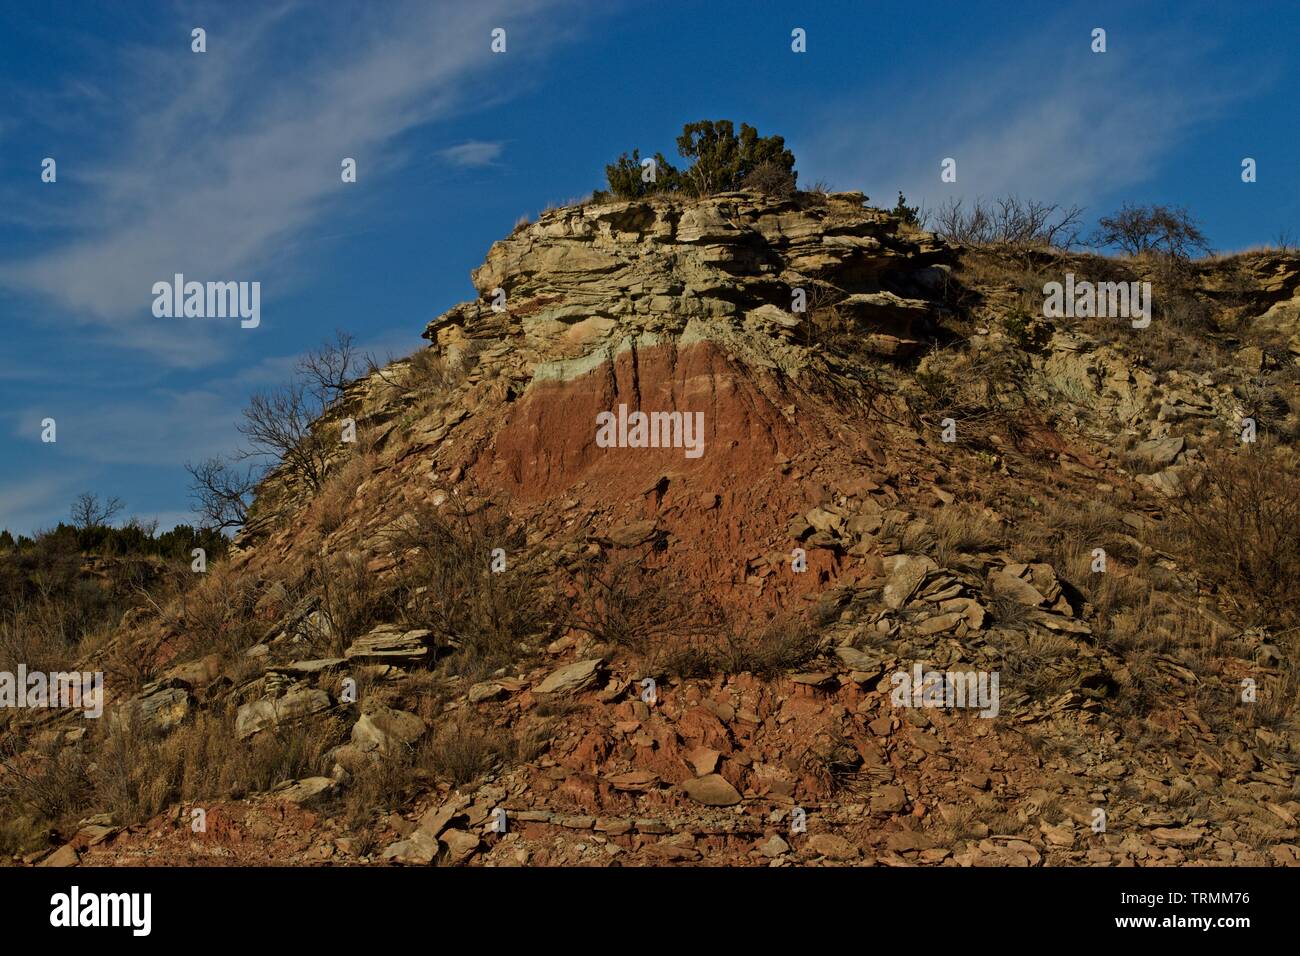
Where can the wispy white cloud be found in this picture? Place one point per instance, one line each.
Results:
(1063, 127)
(161, 428)
(472, 153)
(227, 157)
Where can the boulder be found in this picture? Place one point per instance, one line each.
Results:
(267, 712)
(437, 819)
(485, 691)
(712, 790)
(387, 730)
(1161, 452)
(308, 791)
(460, 845)
(906, 574)
(1006, 584)
(166, 707)
(419, 849)
(65, 855)
(570, 678)
(391, 644)
(860, 661)
(831, 847)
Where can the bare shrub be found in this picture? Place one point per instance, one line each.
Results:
(622, 600)
(1238, 522)
(1009, 221)
(278, 425)
(1091, 520)
(425, 371)
(218, 615)
(378, 786)
(221, 492)
(834, 762)
(89, 512)
(771, 179)
(51, 785)
(448, 585)
(39, 633)
(328, 369)
(282, 426)
(1154, 229)
(352, 601)
(139, 773)
(462, 750)
(339, 490)
(1027, 658)
(767, 650)
(1279, 701)
(986, 391)
(1009, 612)
(133, 658)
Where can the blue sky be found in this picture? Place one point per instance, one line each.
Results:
(225, 166)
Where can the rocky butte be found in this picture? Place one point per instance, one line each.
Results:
(415, 692)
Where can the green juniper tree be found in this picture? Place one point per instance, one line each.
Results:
(720, 161)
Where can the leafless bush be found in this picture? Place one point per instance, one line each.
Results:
(218, 615)
(625, 602)
(427, 370)
(339, 491)
(670, 622)
(89, 512)
(449, 586)
(280, 426)
(814, 196)
(221, 493)
(1168, 231)
(138, 772)
(1008, 221)
(835, 763)
(328, 369)
(352, 602)
(464, 749)
(768, 649)
(959, 529)
(1238, 521)
(40, 633)
(1009, 612)
(51, 785)
(771, 179)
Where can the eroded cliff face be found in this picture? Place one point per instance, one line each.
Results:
(697, 309)
(828, 354)
(668, 308)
